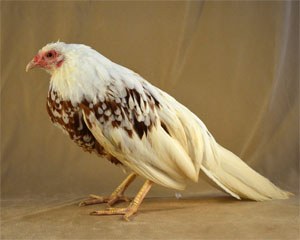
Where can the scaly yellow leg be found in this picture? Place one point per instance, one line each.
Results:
(117, 195)
(133, 206)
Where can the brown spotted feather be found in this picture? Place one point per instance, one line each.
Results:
(70, 119)
(131, 112)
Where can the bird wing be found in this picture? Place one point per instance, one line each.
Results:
(137, 124)
(160, 139)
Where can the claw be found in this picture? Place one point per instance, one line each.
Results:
(131, 209)
(111, 200)
(110, 211)
(116, 196)
(93, 199)
(126, 212)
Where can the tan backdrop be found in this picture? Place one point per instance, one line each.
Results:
(235, 64)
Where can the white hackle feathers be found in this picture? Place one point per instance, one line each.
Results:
(146, 129)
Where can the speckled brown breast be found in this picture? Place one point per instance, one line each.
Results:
(70, 119)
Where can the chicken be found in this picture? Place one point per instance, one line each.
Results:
(112, 111)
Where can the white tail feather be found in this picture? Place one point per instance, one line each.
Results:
(235, 177)
(224, 169)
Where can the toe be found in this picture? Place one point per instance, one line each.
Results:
(110, 211)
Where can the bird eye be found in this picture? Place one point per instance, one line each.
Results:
(49, 55)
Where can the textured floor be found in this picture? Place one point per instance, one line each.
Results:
(206, 217)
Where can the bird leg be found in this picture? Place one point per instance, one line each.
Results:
(117, 195)
(133, 206)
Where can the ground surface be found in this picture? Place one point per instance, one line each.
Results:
(203, 217)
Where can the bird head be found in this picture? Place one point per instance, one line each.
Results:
(49, 58)
(76, 70)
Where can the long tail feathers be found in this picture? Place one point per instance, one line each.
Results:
(225, 170)
(236, 178)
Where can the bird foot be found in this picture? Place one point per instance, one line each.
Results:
(110, 200)
(126, 212)
(131, 209)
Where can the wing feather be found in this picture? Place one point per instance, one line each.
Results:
(150, 139)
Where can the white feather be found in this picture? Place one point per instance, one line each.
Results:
(169, 157)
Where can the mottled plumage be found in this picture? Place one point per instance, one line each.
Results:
(111, 110)
(69, 119)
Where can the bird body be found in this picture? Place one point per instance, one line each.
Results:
(132, 117)
(111, 110)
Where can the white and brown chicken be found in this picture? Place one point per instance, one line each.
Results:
(110, 110)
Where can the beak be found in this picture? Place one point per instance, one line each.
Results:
(30, 65)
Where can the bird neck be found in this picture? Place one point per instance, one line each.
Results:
(76, 82)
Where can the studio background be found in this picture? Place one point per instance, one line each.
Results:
(234, 64)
